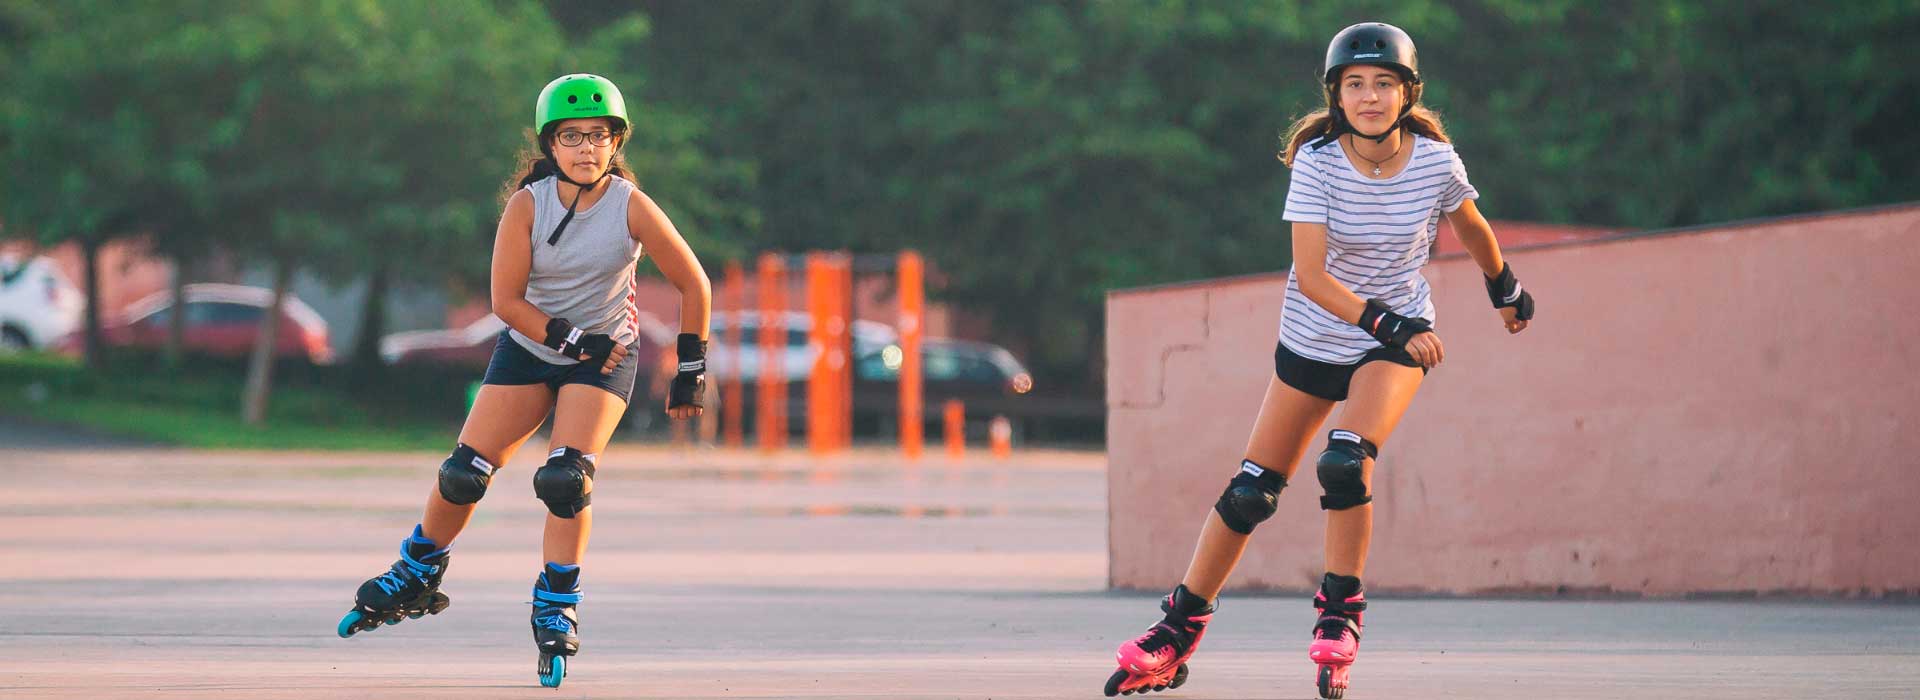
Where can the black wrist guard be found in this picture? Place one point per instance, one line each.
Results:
(1391, 329)
(1505, 292)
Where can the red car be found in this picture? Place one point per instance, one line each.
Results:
(222, 320)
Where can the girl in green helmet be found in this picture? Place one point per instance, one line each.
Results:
(574, 228)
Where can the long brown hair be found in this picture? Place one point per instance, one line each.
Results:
(1321, 123)
(537, 162)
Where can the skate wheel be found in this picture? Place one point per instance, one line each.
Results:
(1114, 681)
(553, 669)
(349, 624)
(1328, 691)
(1179, 677)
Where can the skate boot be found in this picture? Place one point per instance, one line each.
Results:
(554, 621)
(408, 590)
(1158, 659)
(1336, 637)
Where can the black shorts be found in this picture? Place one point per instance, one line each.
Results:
(1325, 379)
(512, 365)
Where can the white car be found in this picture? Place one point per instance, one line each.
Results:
(38, 305)
(796, 359)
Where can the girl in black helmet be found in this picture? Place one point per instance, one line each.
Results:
(563, 264)
(1372, 175)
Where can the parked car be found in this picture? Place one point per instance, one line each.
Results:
(38, 304)
(472, 345)
(951, 368)
(222, 320)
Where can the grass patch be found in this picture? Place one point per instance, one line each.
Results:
(198, 405)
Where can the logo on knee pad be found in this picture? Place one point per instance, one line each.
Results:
(1247, 465)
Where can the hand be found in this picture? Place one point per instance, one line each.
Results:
(1425, 349)
(683, 396)
(618, 353)
(1511, 316)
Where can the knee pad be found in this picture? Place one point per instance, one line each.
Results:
(464, 476)
(1341, 468)
(1250, 498)
(562, 482)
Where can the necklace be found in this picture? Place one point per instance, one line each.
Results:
(1355, 145)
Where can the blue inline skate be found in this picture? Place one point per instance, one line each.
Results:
(554, 621)
(408, 590)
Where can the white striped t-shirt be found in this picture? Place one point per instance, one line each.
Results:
(1378, 233)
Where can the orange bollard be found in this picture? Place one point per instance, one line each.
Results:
(821, 401)
(772, 413)
(733, 298)
(956, 429)
(843, 289)
(1000, 436)
(912, 292)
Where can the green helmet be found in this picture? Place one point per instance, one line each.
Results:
(579, 96)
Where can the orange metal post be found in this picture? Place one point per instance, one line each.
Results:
(912, 301)
(772, 414)
(843, 289)
(820, 399)
(956, 428)
(733, 410)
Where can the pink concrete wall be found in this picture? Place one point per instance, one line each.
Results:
(1720, 410)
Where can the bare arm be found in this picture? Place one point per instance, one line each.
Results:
(670, 253)
(1310, 267)
(512, 260)
(1477, 236)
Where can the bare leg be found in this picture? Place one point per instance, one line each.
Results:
(584, 420)
(502, 419)
(1376, 399)
(1286, 425)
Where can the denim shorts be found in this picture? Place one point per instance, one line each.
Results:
(512, 365)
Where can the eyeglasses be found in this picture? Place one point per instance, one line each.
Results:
(572, 138)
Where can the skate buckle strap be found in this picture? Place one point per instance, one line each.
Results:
(419, 567)
(540, 596)
(1339, 606)
(1332, 626)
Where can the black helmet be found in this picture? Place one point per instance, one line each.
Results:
(1369, 44)
(1372, 43)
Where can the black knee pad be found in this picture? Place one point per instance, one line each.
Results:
(1250, 498)
(562, 482)
(464, 476)
(1340, 469)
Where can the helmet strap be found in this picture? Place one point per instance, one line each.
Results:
(554, 238)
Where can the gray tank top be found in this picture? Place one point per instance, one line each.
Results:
(587, 278)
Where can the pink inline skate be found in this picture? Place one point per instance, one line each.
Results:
(1158, 659)
(1336, 637)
